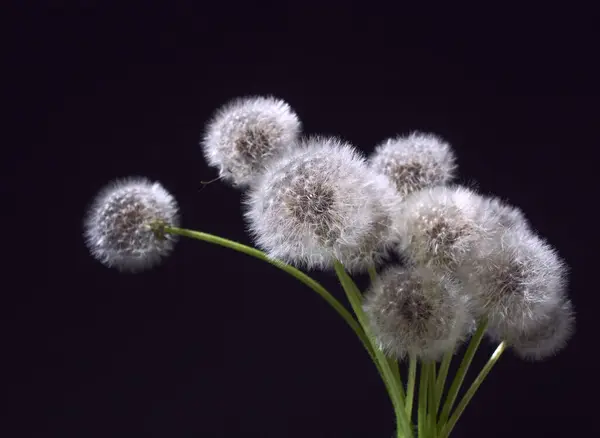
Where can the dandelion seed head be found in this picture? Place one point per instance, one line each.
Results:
(118, 226)
(415, 162)
(246, 134)
(417, 311)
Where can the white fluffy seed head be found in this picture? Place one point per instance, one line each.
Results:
(439, 226)
(248, 133)
(515, 280)
(548, 337)
(118, 226)
(507, 216)
(414, 162)
(417, 311)
(322, 203)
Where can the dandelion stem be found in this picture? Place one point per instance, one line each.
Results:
(431, 399)
(422, 413)
(314, 285)
(472, 390)
(441, 380)
(462, 372)
(395, 390)
(372, 273)
(410, 390)
(392, 362)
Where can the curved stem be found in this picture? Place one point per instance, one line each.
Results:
(308, 281)
(395, 390)
(472, 390)
(395, 367)
(462, 372)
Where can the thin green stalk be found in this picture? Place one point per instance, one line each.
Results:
(462, 372)
(472, 390)
(396, 394)
(392, 362)
(431, 398)
(422, 413)
(372, 273)
(441, 380)
(410, 390)
(299, 275)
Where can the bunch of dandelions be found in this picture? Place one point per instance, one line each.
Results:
(471, 264)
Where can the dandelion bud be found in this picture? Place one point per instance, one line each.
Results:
(514, 279)
(246, 134)
(547, 337)
(439, 226)
(119, 227)
(414, 162)
(416, 311)
(322, 203)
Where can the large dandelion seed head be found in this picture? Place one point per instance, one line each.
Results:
(322, 203)
(118, 226)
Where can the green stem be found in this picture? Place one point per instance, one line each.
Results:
(394, 387)
(441, 380)
(472, 390)
(372, 273)
(422, 413)
(392, 362)
(299, 275)
(462, 371)
(410, 390)
(431, 398)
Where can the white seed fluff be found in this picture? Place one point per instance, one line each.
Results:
(117, 226)
(549, 336)
(439, 226)
(414, 162)
(246, 134)
(508, 216)
(322, 203)
(416, 311)
(515, 280)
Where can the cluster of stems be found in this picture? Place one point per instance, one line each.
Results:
(434, 400)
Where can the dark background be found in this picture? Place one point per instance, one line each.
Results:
(216, 344)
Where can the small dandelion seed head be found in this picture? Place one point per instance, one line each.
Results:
(414, 162)
(120, 226)
(514, 279)
(547, 337)
(439, 226)
(417, 311)
(248, 133)
(322, 203)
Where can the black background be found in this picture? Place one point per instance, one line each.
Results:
(216, 344)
